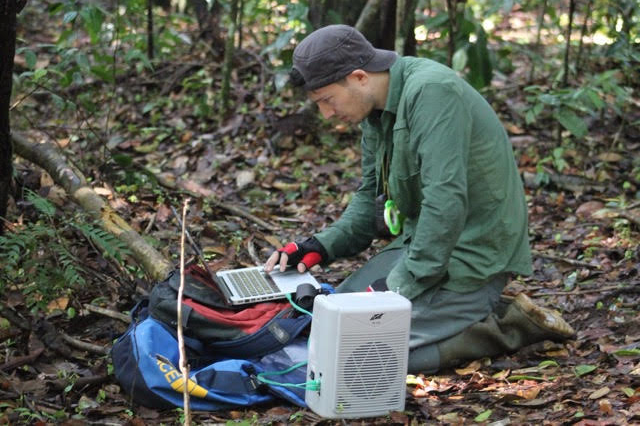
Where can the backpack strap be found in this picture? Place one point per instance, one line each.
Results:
(228, 381)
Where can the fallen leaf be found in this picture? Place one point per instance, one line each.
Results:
(449, 418)
(245, 178)
(286, 186)
(469, 369)
(163, 213)
(501, 375)
(278, 411)
(103, 191)
(609, 157)
(583, 369)
(600, 393)
(398, 417)
(60, 303)
(605, 407)
(186, 136)
(46, 179)
(57, 195)
(514, 129)
(14, 298)
(192, 186)
(275, 242)
(221, 250)
(587, 209)
(236, 415)
(528, 393)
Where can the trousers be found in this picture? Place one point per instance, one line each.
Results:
(448, 327)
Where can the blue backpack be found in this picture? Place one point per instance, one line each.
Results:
(146, 357)
(222, 374)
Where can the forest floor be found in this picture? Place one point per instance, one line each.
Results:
(274, 160)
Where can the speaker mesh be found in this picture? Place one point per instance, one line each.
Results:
(370, 370)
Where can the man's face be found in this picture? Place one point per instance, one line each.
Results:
(348, 100)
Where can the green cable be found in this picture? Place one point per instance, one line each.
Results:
(312, 384)
(304, 311)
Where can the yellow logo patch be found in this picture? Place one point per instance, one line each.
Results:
(175, 379)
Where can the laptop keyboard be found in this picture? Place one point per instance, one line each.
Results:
(251, 283)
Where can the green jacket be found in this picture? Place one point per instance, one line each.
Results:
(453, 176)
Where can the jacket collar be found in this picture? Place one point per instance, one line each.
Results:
(396, 83)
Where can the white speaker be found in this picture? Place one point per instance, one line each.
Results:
(358, 352)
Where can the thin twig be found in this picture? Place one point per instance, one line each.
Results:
(89, 347)
(184, 368)
(194, 246)
(240, 212)
(564, 259)
(251, 249)
(108, 313)
(633, 205)
(575, 291)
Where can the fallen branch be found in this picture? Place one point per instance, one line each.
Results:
(21, 360)
(571, 183)
(89, 347)
(240, 212)
(564, 259)
(79, 383)
(630, 215)
(575, 291)
(108, 313)
(49, 157)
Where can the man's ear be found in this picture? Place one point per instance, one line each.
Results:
(359, 76)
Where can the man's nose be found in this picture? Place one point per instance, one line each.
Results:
(326, 111)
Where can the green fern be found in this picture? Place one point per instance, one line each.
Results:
(39, 258)
(110, 245)
(41, 204)
(71, 275)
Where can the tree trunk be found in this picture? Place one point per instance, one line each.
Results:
(8, 11)
(327, 12)
(48, 157)
(565, 77)
(228, 56)
(583, 33)
(541, 13)
(209, 22)
(369, 15)
(405, 23)
(150, 29)
(452, 11)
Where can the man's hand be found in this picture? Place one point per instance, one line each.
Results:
(303, 255)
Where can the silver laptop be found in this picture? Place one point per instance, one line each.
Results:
(251, 285)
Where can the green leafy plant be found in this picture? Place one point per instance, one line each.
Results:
(39, 259)
(570, 106)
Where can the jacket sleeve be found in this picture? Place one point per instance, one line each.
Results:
(439, 131)
(355, 229)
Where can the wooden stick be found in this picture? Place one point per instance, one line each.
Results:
(108, 313)
(184, 368)
(89, 347)
(575, 291)
(251, 249)
(564, 259)
(241, 212)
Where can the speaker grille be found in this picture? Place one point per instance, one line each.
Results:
(371, 372)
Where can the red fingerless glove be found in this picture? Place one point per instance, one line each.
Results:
(309, 252)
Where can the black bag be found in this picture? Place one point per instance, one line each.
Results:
(239, 332)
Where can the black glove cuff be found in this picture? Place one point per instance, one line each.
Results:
(312, 244)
